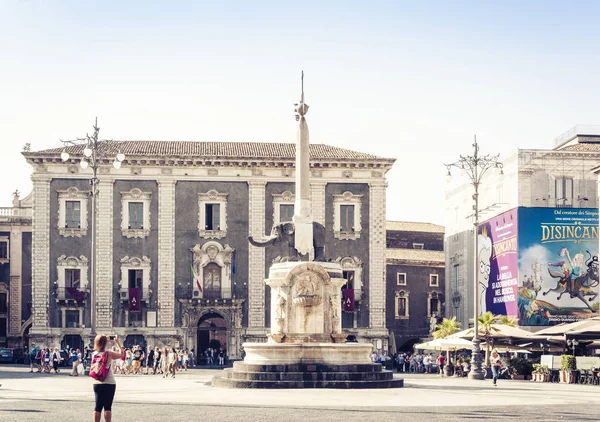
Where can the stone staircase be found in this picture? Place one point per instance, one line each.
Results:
(344, 376)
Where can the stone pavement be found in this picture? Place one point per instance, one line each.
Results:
(32, 397)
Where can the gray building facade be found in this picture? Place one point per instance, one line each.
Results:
(173, 264)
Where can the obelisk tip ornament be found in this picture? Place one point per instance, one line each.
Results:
(302, 209)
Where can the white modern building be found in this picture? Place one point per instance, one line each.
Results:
(560, 177)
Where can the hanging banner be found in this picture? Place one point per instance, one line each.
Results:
(558, 265)
(134, 299)
(498, 265)
(348, 300)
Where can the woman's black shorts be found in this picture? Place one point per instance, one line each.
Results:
(105, 393)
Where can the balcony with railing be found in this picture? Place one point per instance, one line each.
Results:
(15, 214)
(70, 294)
(145, 294)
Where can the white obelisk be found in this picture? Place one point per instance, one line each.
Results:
(302, 209)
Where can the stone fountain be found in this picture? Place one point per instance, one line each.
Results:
(306, 347)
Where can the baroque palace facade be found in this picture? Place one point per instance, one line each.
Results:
(171, 231)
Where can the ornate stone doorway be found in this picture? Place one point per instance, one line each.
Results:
(212, 333)
(218, 319)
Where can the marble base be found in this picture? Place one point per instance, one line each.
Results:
(307, 353)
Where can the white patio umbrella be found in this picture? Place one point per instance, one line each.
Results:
(447, 343)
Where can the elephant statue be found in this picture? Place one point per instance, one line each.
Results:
(286, 232)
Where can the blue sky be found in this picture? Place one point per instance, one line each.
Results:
(409, 80)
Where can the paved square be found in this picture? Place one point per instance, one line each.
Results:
(44, 397)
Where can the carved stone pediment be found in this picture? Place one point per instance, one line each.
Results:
(212, 251)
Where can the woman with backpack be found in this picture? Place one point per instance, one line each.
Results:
(105, 384)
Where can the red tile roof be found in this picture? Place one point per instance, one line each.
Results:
(247, 150)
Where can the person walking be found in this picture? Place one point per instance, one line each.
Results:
(441, 361)
(74, 361)
(104, 391)
(496, 363)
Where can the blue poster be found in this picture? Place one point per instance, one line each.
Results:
(558, 265)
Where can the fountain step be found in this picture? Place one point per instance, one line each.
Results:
(310, 376)
(241, 366)
(346, 384)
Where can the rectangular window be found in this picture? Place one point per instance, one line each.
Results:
(72, 277)
(136, 215)
(402, 306)
(564, 192)
(72, 318)
(135, 278)
(418, 245)
(401, 279)
(213, 214)
(4, 249)
(456, 277)
(3, 303)
(73, 214)
(286, 213)
(434, 303)
(349, 277)
(433, 280)
(346, 218)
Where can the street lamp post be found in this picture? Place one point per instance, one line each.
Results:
(475, 166)
(92, 157)
(572, 343)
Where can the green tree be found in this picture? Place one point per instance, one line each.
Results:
(487, 328)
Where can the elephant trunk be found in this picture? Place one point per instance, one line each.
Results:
(262, 243)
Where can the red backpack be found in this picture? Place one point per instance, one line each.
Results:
(99, 368)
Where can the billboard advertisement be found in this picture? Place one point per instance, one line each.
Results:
(498, 267)
(558, 265)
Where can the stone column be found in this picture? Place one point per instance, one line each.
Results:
(16, 253)
(317, 198)
(166, 253)
(104, 255)
(256, 271)
(40, 247)
(377, 286)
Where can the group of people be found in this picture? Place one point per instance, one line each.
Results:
(419, 363)
(48, 359)
(166, 361)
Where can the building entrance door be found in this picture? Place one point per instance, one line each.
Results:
(212, 334)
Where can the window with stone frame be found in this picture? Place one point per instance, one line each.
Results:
(72, 318)
(401, 305)
(72, 212)
(347, 216)
(212, 219)
(135, 213)
(563, 191)
(135, 273)
(401, 279)
(72, 276)
(135, 279)
(434, 280)
(434, 304)
(283, 207)
(212, 214)
(286, 212)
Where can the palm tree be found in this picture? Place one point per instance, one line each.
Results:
(486, 328)
(446, 328)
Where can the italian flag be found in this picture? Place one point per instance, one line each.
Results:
(196, 279)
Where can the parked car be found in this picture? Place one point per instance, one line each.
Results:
(9, 355)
